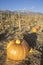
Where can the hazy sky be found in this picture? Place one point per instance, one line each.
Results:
(31, 5)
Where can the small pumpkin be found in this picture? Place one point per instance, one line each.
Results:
(28, 27)
(17, 50)
(35, 29)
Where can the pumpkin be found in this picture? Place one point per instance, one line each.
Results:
(29, 27)
(17, 50)
(35, 29)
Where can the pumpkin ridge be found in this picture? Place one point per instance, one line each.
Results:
(21, 55)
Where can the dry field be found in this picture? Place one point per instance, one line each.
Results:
(9, 32)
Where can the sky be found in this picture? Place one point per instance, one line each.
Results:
(30, 5)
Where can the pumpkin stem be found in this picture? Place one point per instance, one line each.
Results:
(18, 41)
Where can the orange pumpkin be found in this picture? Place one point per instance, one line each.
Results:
(37, 27)
(17, 50)
(34, 30)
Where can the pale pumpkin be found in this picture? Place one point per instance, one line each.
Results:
(28, 27)
(17, 50)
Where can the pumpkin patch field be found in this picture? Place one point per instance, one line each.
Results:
(21, 38)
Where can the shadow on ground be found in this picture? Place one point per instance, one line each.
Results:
(3, 35)
(2, 48)
(31, 39)
(2, 54)
(42, 57)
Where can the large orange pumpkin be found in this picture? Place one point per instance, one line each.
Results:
(17, 50)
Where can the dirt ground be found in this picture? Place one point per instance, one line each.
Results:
(35, 58)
